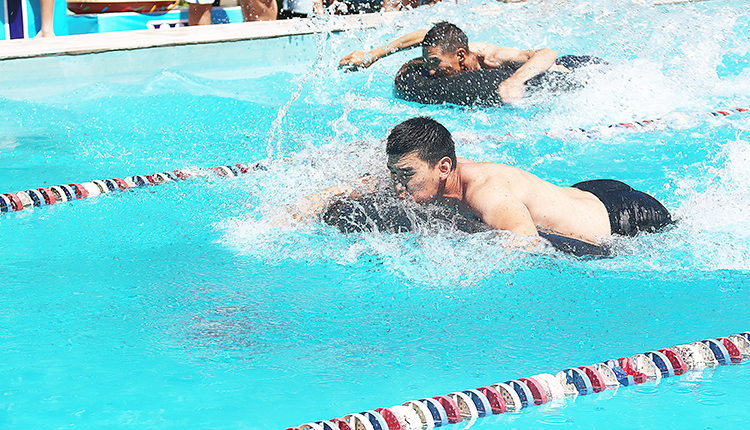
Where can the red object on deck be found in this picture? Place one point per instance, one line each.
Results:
(81, 7)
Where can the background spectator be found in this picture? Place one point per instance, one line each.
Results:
(199, 12)
(297, 9)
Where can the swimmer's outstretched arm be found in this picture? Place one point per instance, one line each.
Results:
(316, 203)
(532, 63)
(364, 59)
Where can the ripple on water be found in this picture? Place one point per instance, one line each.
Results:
(710, 402)
(556, 419)
(647, 391)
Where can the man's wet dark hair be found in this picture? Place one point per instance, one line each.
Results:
(447, 37)
(425, 136)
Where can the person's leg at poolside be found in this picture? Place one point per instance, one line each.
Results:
(48, 14)
(396, 5)
(259, 10)
(199, 14)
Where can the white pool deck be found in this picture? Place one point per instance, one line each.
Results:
(141, 39)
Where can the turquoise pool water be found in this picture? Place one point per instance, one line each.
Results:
(179, 307)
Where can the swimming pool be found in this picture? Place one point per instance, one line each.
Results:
(177, 306)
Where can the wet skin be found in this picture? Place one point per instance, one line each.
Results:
(443, 64)
(503, 197)
(413, 177)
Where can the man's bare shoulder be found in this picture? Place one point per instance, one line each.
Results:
(482, 47)
(490, 192)
(498, 180)
(479, 178)
(485, 170)
(493, 55)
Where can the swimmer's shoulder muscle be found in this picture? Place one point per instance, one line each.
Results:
(488, 191)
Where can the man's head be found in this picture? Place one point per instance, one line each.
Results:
(446, 48)
(421, 156)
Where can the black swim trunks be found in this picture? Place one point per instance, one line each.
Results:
(630, 211)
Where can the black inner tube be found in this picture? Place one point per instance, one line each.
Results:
(477, 87)
(388, 215)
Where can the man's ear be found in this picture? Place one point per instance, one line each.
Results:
(445, 165)
(461, 55)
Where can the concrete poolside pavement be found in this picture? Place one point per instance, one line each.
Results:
(140, 39)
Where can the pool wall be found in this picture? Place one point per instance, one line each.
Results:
(49, 66)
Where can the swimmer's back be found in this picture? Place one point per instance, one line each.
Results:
(568, 211)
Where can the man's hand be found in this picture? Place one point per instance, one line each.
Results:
(316, 203)
(356, 60)
(511, 91)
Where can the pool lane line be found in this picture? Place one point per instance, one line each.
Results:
(13, 202)
(642, 126)
(37, 197)
(514, 395)
(638, 126)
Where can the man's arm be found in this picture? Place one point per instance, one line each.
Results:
(364, 59)
(502, 211)
(514, 88)
(532, 63)
(316, 203)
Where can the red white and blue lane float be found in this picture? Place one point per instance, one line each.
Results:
(36, 197)
(667, 122)
(11, 202)
(514, 395)
(663, 123)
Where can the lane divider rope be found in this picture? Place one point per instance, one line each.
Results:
(646, 125)
(514, 395)
(640, 126)
(36, 197)
(20, 200)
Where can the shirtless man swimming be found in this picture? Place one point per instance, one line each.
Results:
(424, 167)
(447, 50)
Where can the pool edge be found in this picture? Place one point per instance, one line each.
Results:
(144, 39)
